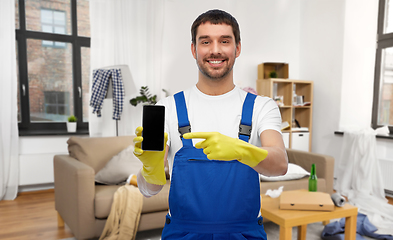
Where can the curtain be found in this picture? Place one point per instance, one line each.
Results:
(9, 159)
(126, 32)
(360, 28)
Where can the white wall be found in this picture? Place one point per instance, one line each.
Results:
(269, 32)
(358, 63)
(321, 51)
(36, 159)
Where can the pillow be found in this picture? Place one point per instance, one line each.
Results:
(97, 151)
(119, 168)
(294, 172)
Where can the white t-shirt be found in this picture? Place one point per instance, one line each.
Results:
(216, 114)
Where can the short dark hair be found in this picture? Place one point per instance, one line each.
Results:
(216, 17)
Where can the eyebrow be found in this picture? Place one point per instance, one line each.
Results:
(207, 36)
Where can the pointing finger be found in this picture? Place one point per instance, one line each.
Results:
(204, 135)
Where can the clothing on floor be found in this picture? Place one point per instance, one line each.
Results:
(335, 230)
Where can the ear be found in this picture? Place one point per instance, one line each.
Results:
(193, 50)
(238, 49)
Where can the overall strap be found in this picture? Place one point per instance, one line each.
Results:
(182, 117)
(246, 121)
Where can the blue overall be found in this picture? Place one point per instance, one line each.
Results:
(212, 199)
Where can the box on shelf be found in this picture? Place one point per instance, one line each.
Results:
(264, 70)
(300, 140)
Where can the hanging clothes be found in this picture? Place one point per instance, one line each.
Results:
(101, 79)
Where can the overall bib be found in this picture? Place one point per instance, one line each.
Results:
(211, 199)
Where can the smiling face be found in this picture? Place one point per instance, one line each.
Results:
(215, 50)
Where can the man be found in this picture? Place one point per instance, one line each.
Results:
(215, 185)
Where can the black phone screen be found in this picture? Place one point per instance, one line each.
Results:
(153, 123)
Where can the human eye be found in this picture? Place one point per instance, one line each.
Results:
(225, 41)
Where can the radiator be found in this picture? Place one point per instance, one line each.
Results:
(387, 174)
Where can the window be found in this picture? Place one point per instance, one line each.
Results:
(383, 83)
(53, 21)
(53, 58)
(57, 104)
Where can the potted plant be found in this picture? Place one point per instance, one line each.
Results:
(145, 97)
(71, 124)
(273, 74)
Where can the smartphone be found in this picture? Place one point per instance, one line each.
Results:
(153, 123)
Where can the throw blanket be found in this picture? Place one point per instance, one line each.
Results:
(123, 219)
(101, 78)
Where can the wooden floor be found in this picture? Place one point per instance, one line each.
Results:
(32, 216)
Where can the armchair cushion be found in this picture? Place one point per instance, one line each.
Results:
(104, 198)
(119, 168)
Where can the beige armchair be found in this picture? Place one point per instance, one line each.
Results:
(84, 205)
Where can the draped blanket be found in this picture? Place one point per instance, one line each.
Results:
(123, 219)
(360, 179)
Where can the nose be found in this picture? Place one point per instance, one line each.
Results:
(215, 48)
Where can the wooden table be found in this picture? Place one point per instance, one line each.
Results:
(287, 219)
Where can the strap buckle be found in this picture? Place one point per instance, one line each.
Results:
(183, 130)
(245, 130)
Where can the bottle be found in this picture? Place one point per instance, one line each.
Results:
(312, 180)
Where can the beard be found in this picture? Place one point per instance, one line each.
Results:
(215, 74)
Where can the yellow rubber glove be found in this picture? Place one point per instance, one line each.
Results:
(153, 169)
(220, 147)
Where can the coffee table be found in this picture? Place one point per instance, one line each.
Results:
(287, 219)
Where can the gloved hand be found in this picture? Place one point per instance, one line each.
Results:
(220, 147)
(153, 161)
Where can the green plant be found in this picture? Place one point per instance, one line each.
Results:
(166, 92)
(273, 74)
(145, 96)
(72, 118)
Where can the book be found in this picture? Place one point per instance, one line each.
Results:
(284, 125)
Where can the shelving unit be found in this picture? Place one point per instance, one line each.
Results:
(299, 138)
